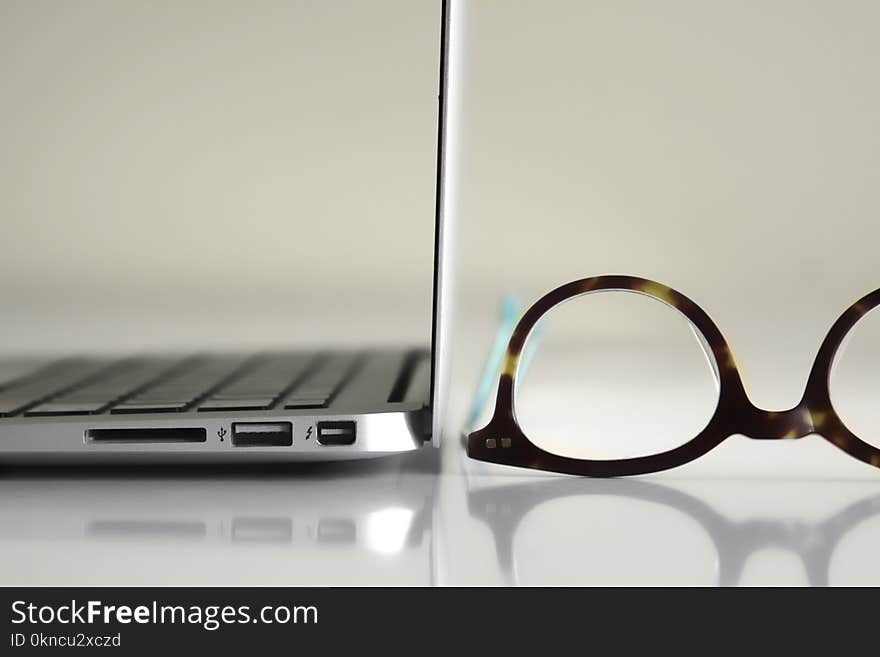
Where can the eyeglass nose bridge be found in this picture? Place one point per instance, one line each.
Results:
(760, 424)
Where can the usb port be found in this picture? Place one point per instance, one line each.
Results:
(262, 434)
(337, 432)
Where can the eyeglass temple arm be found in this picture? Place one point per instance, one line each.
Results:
(710, 358)
(511, 310)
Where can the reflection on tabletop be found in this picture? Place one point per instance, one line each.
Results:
(561, 530)
(332, 524)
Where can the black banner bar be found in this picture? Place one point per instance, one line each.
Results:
(146, 620)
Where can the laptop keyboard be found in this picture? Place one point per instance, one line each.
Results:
(81, 386)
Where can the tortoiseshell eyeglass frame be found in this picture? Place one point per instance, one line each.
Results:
(503, 441)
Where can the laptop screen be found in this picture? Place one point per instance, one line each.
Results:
(217, 174)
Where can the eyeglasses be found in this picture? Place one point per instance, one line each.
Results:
(503, 441)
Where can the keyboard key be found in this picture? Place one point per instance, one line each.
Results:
(66, 408)
(149, 407)
(15, 370)
(316, 389)
(10, 405)
(236, 404)
(255, 395)
(305, 403)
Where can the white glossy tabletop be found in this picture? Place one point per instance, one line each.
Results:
(435, 518)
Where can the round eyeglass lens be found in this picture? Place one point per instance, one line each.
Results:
(612, 375)
(855, 379)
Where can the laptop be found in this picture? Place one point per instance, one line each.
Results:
(290, 404)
